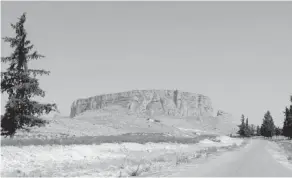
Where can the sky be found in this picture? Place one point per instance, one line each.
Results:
(237, 53)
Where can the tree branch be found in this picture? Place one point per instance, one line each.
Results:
(34, 55)
(38, 72)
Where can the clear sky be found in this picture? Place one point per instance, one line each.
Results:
(237, 53)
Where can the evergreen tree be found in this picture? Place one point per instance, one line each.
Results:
(258, 132)
(268, 126)
(175, 95)
(252, 129)
(287, 127)
(242, 126)
(247, 131)
(21, 85)
(278, 131)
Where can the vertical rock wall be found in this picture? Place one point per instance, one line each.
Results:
(148, 102)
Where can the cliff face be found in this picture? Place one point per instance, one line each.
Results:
(147, 103)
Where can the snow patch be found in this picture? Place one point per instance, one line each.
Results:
(30, 158)
(207, 141)
(278, 154)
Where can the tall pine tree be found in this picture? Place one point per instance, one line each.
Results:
(268, 126)
(21, 85)
(242, 126)
(258, 130)
(247, 129)
(287, 127)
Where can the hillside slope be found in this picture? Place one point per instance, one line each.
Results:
(170, 112)
(93, 123)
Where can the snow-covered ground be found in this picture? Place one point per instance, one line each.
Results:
(99, 160)
(279, 154)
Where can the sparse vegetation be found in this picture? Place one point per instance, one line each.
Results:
(156, 120)
(141, 138)
(160, 159)
(182, 158)
(126, 164)
(135, 172)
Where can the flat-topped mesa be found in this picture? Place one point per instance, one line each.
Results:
(147, 103)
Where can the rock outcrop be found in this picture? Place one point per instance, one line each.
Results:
(147, 103)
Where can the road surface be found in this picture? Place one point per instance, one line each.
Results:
(254, 160)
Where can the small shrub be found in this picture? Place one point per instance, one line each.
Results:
(182, 159)
(135, 172)
(122, 166)
(198, 155)
(160, 159)
(146, 169)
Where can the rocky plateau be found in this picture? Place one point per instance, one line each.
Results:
(147, 103)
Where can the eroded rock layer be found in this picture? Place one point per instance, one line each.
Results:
(147, 103)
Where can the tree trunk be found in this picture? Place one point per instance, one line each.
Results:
(25, 67)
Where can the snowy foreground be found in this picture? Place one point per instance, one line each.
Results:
(103, 160)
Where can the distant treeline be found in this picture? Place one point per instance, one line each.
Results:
(268, 128)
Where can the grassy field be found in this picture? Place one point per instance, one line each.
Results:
(141, 138)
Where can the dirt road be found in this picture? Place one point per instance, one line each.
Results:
(254, 160)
